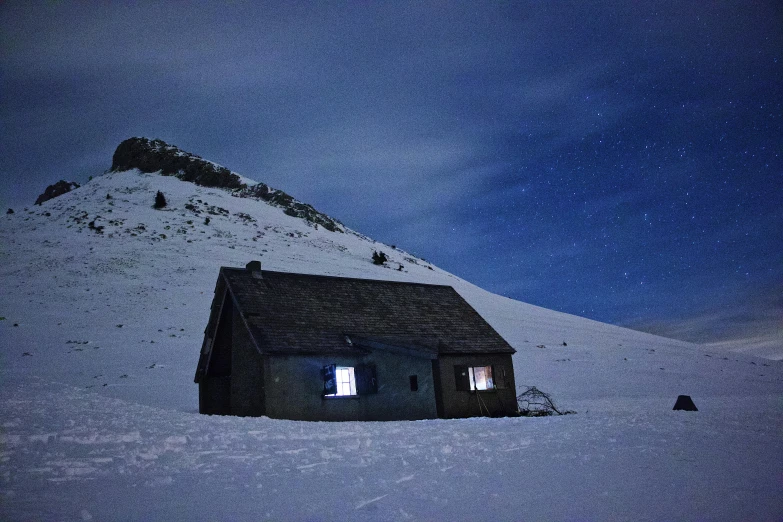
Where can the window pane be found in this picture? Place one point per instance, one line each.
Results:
(346, 383)
(481, 378)
(488, 381)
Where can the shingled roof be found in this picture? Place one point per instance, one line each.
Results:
(296, 314)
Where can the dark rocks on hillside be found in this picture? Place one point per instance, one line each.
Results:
(292, 207)
(10, 211)
(58, 189)
(158, 156)
(379, 258)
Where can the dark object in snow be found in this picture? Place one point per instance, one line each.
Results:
(535, 403)
(58, 189)
(321, 348)
(160, 200)
(206, 220)
(564, 343)
(379, 258)
(684, 402)
(108, 196)
(98, 229)
(9, 211)
(254, 267)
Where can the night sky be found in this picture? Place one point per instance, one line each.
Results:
(615, 160)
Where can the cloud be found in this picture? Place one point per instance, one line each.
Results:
(748, 317)
(601, 159)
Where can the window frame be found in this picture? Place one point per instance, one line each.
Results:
(357, 380)
(487, 378)
(345, 380)
(464, 378)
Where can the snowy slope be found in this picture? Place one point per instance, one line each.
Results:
(100, 338)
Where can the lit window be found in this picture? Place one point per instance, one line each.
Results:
(349, 381)
(481, 378)
(344, 382)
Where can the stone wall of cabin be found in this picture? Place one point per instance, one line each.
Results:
(395, 400)
(460, 404)
(294, 389)
(247, 373)
(215, 386)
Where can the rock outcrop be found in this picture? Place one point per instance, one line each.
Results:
(291, 206)
(58, 189)
(158, 156)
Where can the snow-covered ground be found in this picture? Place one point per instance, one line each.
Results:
(99, 339)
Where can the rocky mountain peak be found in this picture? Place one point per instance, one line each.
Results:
(158, 156)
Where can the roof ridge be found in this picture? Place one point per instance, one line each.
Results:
(324, 276)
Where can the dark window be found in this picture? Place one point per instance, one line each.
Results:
(414, 382)
(366, 380)
(461, 378)
(501, 377)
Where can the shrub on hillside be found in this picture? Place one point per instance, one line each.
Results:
(160, 201)
(379, 258)
(535, 403)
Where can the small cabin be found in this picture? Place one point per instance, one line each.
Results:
(322, 348)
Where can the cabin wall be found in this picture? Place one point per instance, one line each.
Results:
(395, 400)
(294, 389)
(247, 373)
(215, 386)
(460, 404)
(214, 395)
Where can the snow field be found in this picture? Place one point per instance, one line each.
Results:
(99, 339)
(73, 450)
